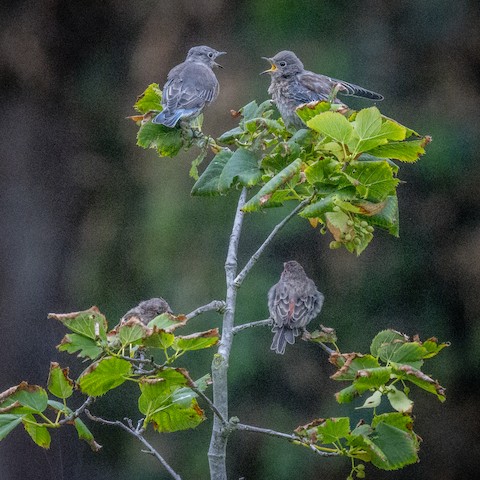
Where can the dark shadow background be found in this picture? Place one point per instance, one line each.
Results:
(89, 218)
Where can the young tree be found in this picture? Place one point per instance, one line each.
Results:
(341, 176)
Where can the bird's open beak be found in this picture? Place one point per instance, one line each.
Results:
(272, 68)
(218, 54)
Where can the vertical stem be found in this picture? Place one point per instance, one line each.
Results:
(218, 442)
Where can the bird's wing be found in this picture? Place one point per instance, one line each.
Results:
(323, 86)
(189, 86)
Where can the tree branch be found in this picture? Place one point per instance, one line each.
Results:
(78, 411)
(218, 441)
(260, 323)
(217, 305)
(287, 436)
(138, 434)
(253, 260)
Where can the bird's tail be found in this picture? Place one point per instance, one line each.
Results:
(283, 335)
(170, 119)
(356, 91)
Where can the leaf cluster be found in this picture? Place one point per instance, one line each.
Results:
(165, 396)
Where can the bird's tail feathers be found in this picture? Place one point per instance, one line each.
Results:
(283, 336)
(353, 90)
(170, 119)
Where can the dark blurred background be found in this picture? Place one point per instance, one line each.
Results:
(89, 218)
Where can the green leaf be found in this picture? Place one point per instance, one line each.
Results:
(241, 168)
(131, 333)
(263, 196)
(407, 151)
(373, 401)
(409, 353)
(386, 343)
(208, 183)
(159, 339)
(89, 323)
(325, 431)
(59, 383)
(398, 447)
(417, 377)
(160, 406)
(401, 421)
(73, 342)
(249, 111)
(8, 422)
(388, 217)
(368, 131)
(24, 398)
(104, 375)
(369, 378)
(167, 322)
(333, 125)
(433, 347)
(149, 100)
(197, 341)
(347, 395)
(398, 400)
(167, 141)
(350, 364)
(85, 434)
(38, 433)
(374, 181)
(310, 110)
(230, 136)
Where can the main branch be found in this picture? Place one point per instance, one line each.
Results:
(218, 442)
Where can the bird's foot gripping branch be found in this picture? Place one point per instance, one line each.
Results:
(343, 164)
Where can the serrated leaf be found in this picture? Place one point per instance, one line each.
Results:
(167, 141)
(407, 151)
(89, 323)
(74, 342)
(347, 394)
(333, 125)
(59, 383)
(38, 433)
(433, 347)
(388, 217)
(417, 377)
(231, 135)
(150, 99)
(373, 181)
(159, 339)
(310, 110)
(131, 333)
(197, 341)
(104, 375)
(350, 364)
(401, 421)
(385, 343)
(167, 322)
(262, 197)
(369, 378)
(208, 183)
(409, 353)
(24, 398)
(367, 131)
(195, 163)
(242, 168)
(85, 434)
(8, 422)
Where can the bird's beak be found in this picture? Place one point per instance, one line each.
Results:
(218, 54)
(272, 68)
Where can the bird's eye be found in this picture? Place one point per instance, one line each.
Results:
(283, 64)
(210, 55)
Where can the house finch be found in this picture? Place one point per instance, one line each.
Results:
(291, 85)
(147, 310)
(293, 303)
(190, 87)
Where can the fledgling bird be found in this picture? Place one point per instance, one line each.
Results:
(291, 85)
(147, 310)
(190, 87)
(293, 303)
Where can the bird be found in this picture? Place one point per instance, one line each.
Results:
(190, 86)
(147, 310)
(291, 85)
(293, 303)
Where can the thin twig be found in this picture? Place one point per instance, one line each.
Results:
(77, 412)
(210, 404)
(217, 305)
(287, 436)
(253, 260)
(324, 347)
(260, 323)
(138, 434)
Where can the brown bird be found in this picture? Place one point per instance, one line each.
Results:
(293, 303)
(147, 310)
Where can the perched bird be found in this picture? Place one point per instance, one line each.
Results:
(190, 87)
(293, 303)
(147, 310)
(291, 85)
